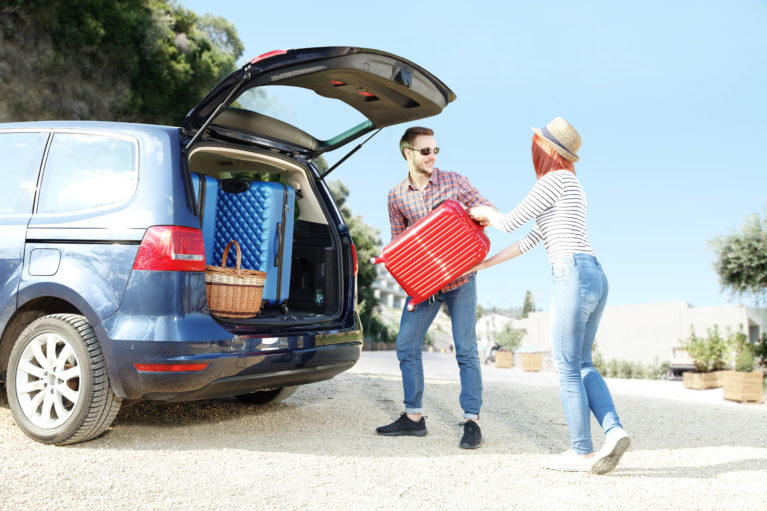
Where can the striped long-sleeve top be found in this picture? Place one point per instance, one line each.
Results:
(558, 204)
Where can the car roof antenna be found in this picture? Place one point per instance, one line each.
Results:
(339, 162)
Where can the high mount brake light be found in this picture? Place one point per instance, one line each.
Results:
(368, 96)
(267, 55)
(171, 248)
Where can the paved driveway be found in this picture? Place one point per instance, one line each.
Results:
(318, 450)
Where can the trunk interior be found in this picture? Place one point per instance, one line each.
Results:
(293, 242)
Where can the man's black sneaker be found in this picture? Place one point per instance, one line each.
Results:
(404, 426)
(472, 436)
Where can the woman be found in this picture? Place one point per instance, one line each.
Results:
(558, 204)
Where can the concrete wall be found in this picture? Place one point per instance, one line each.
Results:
(646, 332)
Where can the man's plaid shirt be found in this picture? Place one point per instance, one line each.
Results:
(407, 204)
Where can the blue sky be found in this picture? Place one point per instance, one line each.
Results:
(670, 99)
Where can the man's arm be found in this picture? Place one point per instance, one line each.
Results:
(397, 220)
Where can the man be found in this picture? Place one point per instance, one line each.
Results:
(409, 201)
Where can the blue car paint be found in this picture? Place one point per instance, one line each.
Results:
(92, 277)
(159, 317)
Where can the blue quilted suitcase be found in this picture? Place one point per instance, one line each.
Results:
(261, 220)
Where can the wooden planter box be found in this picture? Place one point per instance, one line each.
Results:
(504, 359)
(721, 376)
(532, 361)
(700, 381)
(740, 386)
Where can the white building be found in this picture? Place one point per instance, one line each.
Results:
(651, 332)
(387, 290)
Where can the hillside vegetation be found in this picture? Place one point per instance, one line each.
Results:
(139, 60)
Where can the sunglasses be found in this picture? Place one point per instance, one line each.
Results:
(425, 151)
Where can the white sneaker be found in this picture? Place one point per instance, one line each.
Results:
(616, 444)
(568, 461)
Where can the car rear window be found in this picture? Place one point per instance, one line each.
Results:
(321, 117)
(85, 171)
(22, 155)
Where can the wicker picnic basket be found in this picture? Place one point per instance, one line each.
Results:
(234, 292)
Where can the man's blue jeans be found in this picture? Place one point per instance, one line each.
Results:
(580, 294)
(462, 304)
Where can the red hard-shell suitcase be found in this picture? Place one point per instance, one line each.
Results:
(435, 251)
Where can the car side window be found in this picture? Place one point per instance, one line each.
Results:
(19, 166)
(85, 171)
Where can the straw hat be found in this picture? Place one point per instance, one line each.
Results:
(561, 137)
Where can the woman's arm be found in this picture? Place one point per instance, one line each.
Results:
(507, 253)
(544, 195)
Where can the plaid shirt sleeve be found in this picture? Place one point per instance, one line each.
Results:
(397, 220)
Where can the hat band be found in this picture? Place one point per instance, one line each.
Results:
(546, 133)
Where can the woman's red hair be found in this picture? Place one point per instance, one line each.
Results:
(546, 159)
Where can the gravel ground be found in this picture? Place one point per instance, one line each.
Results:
(318, 450)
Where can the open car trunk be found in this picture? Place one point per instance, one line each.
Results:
(234, 144)
(310, 275)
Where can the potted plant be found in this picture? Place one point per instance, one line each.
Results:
(509, 338)
(744, 383)
(709, 355)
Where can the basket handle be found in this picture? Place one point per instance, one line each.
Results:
(226, 254)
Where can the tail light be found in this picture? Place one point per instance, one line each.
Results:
(354, 258)
(171, 248)
(170, 368)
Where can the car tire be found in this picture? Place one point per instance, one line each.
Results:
(263, 397)
(58, 387)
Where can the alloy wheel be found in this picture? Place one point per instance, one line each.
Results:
(48, 380)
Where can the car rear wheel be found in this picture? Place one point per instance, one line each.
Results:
(58, 387)
(263, 397)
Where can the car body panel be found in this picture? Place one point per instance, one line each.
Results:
(81, 260)
(384, 88)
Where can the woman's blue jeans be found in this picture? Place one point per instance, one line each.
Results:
(580, 294)
(462, 304)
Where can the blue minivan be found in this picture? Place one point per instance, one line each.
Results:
(103, 243)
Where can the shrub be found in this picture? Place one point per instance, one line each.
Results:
(639, 371)
(660, 372)
(612, 368)
(744, 361)
(760, 350)
(625, 369)
(744, 351)
(509, 337)
(598, 361)
(708, 353)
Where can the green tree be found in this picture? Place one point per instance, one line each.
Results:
(131, 60)
(368, 244)
(529, 305)
(741, 259)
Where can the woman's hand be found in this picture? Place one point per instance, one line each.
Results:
(482, 214)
